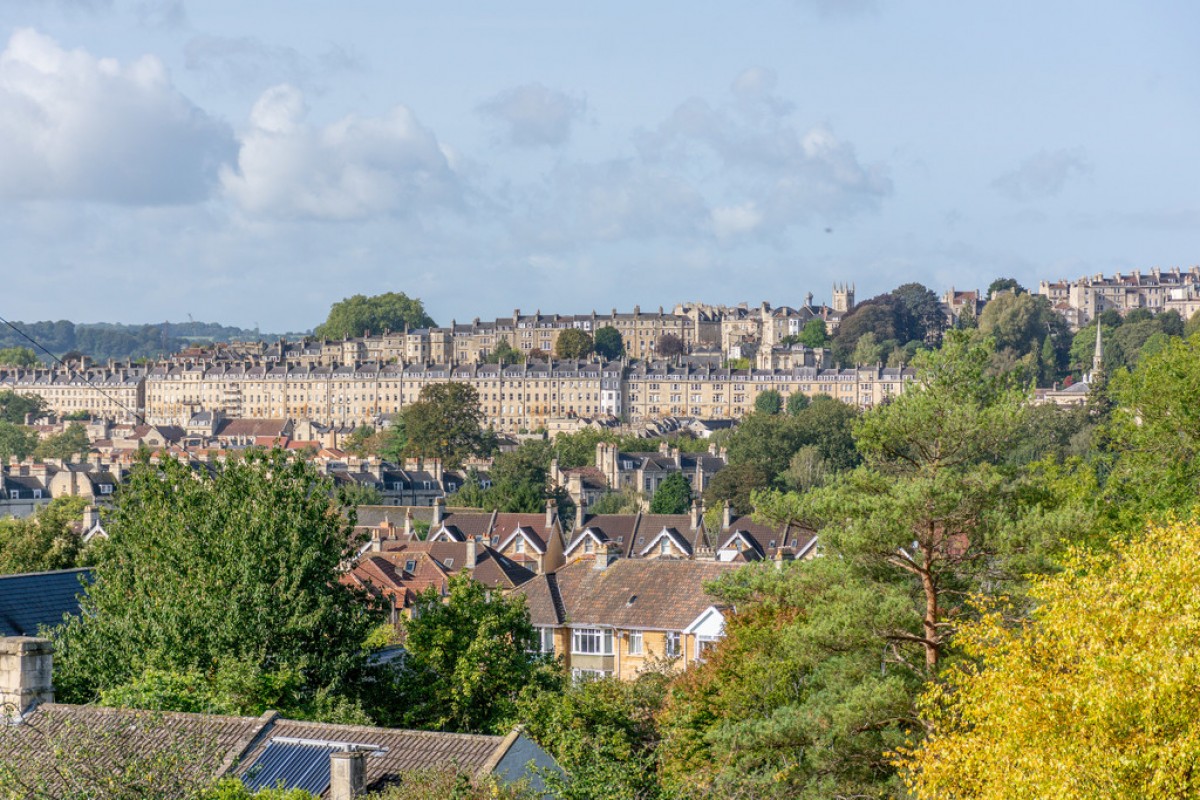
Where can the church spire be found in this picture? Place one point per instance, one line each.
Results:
(1098, 356)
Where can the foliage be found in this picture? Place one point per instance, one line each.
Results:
(448, 784)
(1094, 696)
(673, 496)
(355, 316)
(867, 351)
(18, 357)
(768, 402)
(16, 440)
(895, 318)
(573, 343)
(446, 423)
(104, 340)
(602, 733)
(504, 353)
(814, 334)
(234, 789)
(1004, 285)
(796, 403)
(669, 345)
(71, 442)
(770, 442)
(14, 407)
(925, 309)
(469, 657)
(230, 576)
(363, 441)
(736, 483)
(45, 541)
(353, 495)
(626, 501)
(1019, 325)
(609, 343)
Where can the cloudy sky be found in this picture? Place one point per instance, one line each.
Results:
(252, 162)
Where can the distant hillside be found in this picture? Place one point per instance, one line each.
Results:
(105, 340)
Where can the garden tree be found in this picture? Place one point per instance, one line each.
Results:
(573, 344)
(925, 309)
(1047, 363)
(355, 316)
(769, 402)
(1020, 323)
(609, 343)
(44, 541)
(363, 441)
(807, 470)
(353, 495)
(814, 334)
(884, 316)
(1093, 696)
(1004, 285)
(72, 441)
(846, 642)
(673, 495)
(867, 351)
(17, 357)
(796, 403)
(446, 423)
(469, 656)
(504, 353)
(770, 442)
(602, 733)
(736, 483)
(669, 345)
(448, 784)
(16, 440)
(229, 578)
(14, 407)
(626, 501)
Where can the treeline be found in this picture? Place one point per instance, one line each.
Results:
(104, 340)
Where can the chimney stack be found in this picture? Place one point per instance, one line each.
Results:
(347, 774)
(696, 513)
(471, 554)
(551, 512)
(580, 512)
(439, 510)
(726, 516)
(606, 555)
(26, 674)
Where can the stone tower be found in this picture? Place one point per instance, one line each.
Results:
(843, 297)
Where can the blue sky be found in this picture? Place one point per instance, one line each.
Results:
(254, 162)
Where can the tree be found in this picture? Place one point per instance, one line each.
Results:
(45, 541)
(1004, 285)
(504, 353)
(769, 402)
(867, 350)
(736, 483)
(925, 309)
(15, 407)
(609, 343)
(363, 441)
(814, 334)
(669, 345)
(1093, 696)
(673, 496)
(227, 578)
(355, 316)
(71, 442)
(448, 784)
(796, 403)
(469, 656)
(446, 423)
(1020, 323)
(573, 344)
(18, 357)
(16, 440)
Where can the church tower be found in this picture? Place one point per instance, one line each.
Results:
(843, 297)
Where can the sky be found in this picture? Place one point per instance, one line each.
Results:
(251, 163)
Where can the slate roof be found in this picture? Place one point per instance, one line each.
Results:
(30, 600)
(647, 594)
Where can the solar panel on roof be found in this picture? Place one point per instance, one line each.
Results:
(290, 766)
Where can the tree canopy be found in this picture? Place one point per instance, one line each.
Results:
(17, 357)
(669, 345)
(14, 407)
(355, 316)
(609, 343)
(673, 496)
(573, 344)
(446, 422)
(44, 541)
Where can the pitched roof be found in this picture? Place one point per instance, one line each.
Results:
(31, 600)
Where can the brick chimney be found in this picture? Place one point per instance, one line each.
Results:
(347, 774)
(26, 673)
(606, 555)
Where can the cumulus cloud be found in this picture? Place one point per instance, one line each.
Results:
(352, 169)
(1042, 175)
(73, 126)
(534, 115)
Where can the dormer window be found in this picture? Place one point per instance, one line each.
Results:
(519, 545)
(106, 488)
(410, 565)
(588, 545)
(664, 547)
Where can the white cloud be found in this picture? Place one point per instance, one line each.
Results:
(352, 169)
(534, 115)
(1042, 175)
(77, 127)
(730, 221)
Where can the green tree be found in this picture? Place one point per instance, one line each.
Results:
(14, 407)
(44, 541)
(1020, 323)
(504, 353)
(925, 309)
(363, 441)
(449, 784)
(669, 346)
(71, 442)
(609, 343)
(446, 423)
(18, 357)
(736, 483)
(814, 334)
(1004, 285)
(797, 402)
(230, 575)
(1094, 696)
(355, 316)
(573, 344)
(867, 350)
(769, 402)
(469, 656)
(673, 496)
(16, 440)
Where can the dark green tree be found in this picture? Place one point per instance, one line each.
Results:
(16, 440)
(504, 353)
(814, 334)
(796, 403)
(1004, 285)
(359, 314)
(229, 579)
(446, 423)
(17, 357)
(925, 309)
(469, 656)
(609, 343)
(573, 344)
(71, 442)
(769, 402)
(48, 540)
(736, 483)
(669, 346)
(673, 496)
(14, 407)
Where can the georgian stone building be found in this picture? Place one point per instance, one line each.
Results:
(117, 393)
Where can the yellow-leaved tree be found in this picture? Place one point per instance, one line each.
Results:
(1097, 695)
